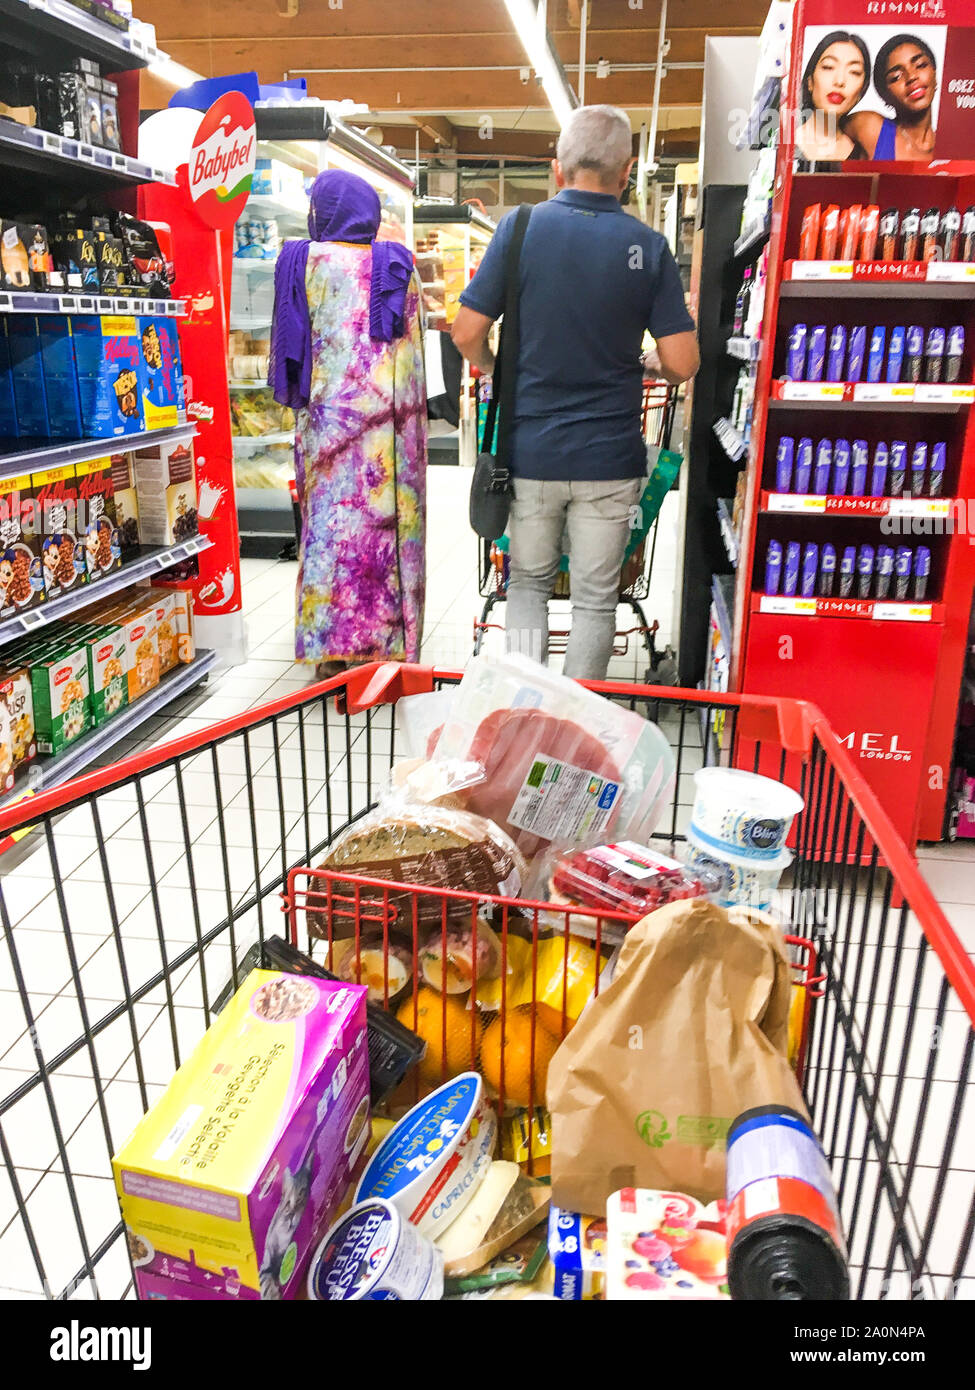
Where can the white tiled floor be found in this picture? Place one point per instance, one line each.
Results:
(135, 932)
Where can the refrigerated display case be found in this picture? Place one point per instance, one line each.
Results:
(296, 142)
(450, 241)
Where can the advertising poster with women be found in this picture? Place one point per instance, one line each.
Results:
(886, 80)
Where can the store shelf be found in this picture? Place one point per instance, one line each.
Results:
(151, 561)
(22, 302)
(247, 384)
(268, 205)
(730, 440)
(245, 323)
(262, 441)
(908, 279)
(810, 503)
(765, 103)
(250, 265)
(84, 33)
(51, 770)
(742, 349)
(752, 240)
(728, 530)
(57, 454)
(875, 610)
(867, 395)
(55, 158)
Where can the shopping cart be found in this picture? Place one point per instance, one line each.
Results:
(180, 858)
(659, 406)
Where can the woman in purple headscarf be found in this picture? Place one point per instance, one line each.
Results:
(346, 355)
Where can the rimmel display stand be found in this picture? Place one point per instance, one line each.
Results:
(854, 587)
(214, 178)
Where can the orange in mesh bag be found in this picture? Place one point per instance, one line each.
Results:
(691, 1032)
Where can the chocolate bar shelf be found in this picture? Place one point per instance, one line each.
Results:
(49, 771)
(805, 503)
(149, 564)
(20, 302)
(55, 157)
(876, 610)
(58, 454)
(729, 439)
(82, 33)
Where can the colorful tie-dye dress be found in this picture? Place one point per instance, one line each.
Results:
(360, 466)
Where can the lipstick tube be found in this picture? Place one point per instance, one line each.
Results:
(773, 567)
(810, 566)
(898, 467)
(902, 571)
(865, 563)
(884, 571)
(824, 465)
(848, 567)
(922, 571)
(827, 571)
(858, 471)
(784, 456)
(919, 464)
(803, 470)
(878, 475)
(841, 467)
(790, 577)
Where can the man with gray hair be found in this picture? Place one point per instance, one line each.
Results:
(592, 281)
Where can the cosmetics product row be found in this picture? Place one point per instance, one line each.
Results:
(864, 572)
(839, 354)
(864, 233)
(837, 468)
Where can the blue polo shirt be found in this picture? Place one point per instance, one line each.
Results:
(593, 279)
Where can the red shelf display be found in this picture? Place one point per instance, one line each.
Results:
(886, 673)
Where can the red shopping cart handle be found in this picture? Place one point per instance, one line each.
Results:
(367, 686)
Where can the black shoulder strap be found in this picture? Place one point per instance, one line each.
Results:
(506, 366)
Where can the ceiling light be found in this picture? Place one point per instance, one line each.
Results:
(174, 74)
(535, 41)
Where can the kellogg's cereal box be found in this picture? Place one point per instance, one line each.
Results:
(60, 691)
(107, 353)
(60, 376)
(161, 373)
(237, 1170)
(56, 512)
(96, 518)
(21, 582)
(27, 375)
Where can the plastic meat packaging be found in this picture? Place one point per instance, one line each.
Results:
(558, 761)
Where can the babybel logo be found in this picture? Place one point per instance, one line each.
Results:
(221, 162)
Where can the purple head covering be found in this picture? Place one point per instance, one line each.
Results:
(343, 207)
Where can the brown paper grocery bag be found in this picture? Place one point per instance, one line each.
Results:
(692, 1031)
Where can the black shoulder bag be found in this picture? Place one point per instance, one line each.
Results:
(491, 485)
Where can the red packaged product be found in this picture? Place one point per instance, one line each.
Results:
(869, 229)
(829, 233)
(809, 236)
(623, 877)
(849, 238)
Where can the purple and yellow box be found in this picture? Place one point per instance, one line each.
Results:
(229, 1181)
(107, 353)
(161, 373)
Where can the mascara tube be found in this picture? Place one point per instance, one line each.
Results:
(919, 463)
(934, 351)
(895, 354)
(884, 571)
(827, 571)
(773, 567)
(888, 232)
(824, 465)
(795, 359)
(804, 459)
(922, 571)
(898, 467)
(855, 353)
(837, 354)
(930, 227)
(848, 567)
(858, 471)
(936, 474)
(865, 563)
(910, 234)
(878, 476)
(914, 353)
(784, 456)
(790, 577)
(875, 361)
(816, 356)
(955, 353)
(810, 566)
(950, 235)
(902, 571)
(841, 467)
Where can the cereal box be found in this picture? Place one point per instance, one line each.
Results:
(27, 375)
(9, 429)
(15, 696)
(141, 647)
(59, 686)
(6, 751)
(126, 502)
(166, 484)
(62, 552)
(237, 1170)
(182, 592)
(161, 373)
(60, 376)
(96, 518)
(107, 678)
(577, 1249)
(107, 353)
(21, 582)
(166, 633)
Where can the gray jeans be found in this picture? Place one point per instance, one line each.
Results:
(597, 518)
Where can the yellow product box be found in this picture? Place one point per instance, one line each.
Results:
(138, 622)
(232, 1177)
(166, 633)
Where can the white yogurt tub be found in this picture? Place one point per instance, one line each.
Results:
(372, 1252)
(744, 882)
(433, 1160)
(743, 814)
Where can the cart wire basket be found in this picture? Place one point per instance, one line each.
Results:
(659, 406)
(131, 898)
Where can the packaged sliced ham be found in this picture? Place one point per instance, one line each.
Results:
(558, 762)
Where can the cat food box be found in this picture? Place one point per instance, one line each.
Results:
(166, 483)
(233, 1176)
(96, 518)
(126, 502)
(161, 373)
(21, 582)
(107, 353)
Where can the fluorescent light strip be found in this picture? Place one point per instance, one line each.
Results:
(534, 40)
(174, 74)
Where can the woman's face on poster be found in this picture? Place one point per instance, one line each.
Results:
(838, 79)
(910, 79)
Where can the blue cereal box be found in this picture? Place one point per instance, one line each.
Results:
(60, 376)
(8, 411)
(27, 375)
(577, 1249)
(161, 373)
(108, 352)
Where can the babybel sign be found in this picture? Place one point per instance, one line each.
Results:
(221, 162)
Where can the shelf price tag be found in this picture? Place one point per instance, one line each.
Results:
(951, 272)
(888, 394)
(919, 506)
(903, 612)
(812, 390)
(788, 607)
(821, 270)
(795, 502)
(944, 393)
